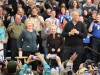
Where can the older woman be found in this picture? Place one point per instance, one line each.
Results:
(55, 41)
(27, 39)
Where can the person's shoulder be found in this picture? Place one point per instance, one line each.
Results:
(70, 22)
(58, 34)
(24, 30)
(48, 18)
(49, 35)
(12, 23)
(81, 23)
(34, 31)
(40, 16)
(22, 23)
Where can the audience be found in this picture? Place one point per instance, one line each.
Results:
(35, 26)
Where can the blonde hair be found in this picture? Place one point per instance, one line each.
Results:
(46, 22)
(26, 21)
(53, 25)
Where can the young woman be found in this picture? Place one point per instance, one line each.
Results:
(28, 35)
(64, 21)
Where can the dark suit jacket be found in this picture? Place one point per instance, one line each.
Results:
(56, 43)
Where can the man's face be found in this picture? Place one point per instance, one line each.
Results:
(75, 16)
(18, 19)
(20, 11)
(53, 14)
(88, 2)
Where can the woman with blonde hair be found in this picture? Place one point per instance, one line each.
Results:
(28, 35)
(55, 41)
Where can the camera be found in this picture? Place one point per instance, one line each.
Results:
(69, 68)
(34, 57)
(53, 56)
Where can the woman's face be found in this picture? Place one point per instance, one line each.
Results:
(75, 3)
(63, 10)
(64, 21)
(29, 25)
(53, 29)
(34, 12)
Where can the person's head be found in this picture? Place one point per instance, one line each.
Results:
(53, 29)
(18, 19)
(29, 24)
(5, 12)
(81, 18)
(63, 4)
(53, 13)
(12, 67)
(98, 17)
(20, 11)
(47, 23)
(75, 4)
(31, 3)
(85, 12)
(96, 2)
(48, 11)
(63, 9)
(1, 22)
(75, 16)
(88, 2)
(94, 14)
(1, 11)
(35, 11)
(64, 20)
(67, 12)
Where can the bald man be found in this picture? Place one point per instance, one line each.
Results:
(74, 32)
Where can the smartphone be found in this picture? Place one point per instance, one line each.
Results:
(86, 72)
(35, 57)
(53, 56)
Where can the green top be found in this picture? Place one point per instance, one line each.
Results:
(15, 32)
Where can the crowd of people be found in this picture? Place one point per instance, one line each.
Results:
(62, 36)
